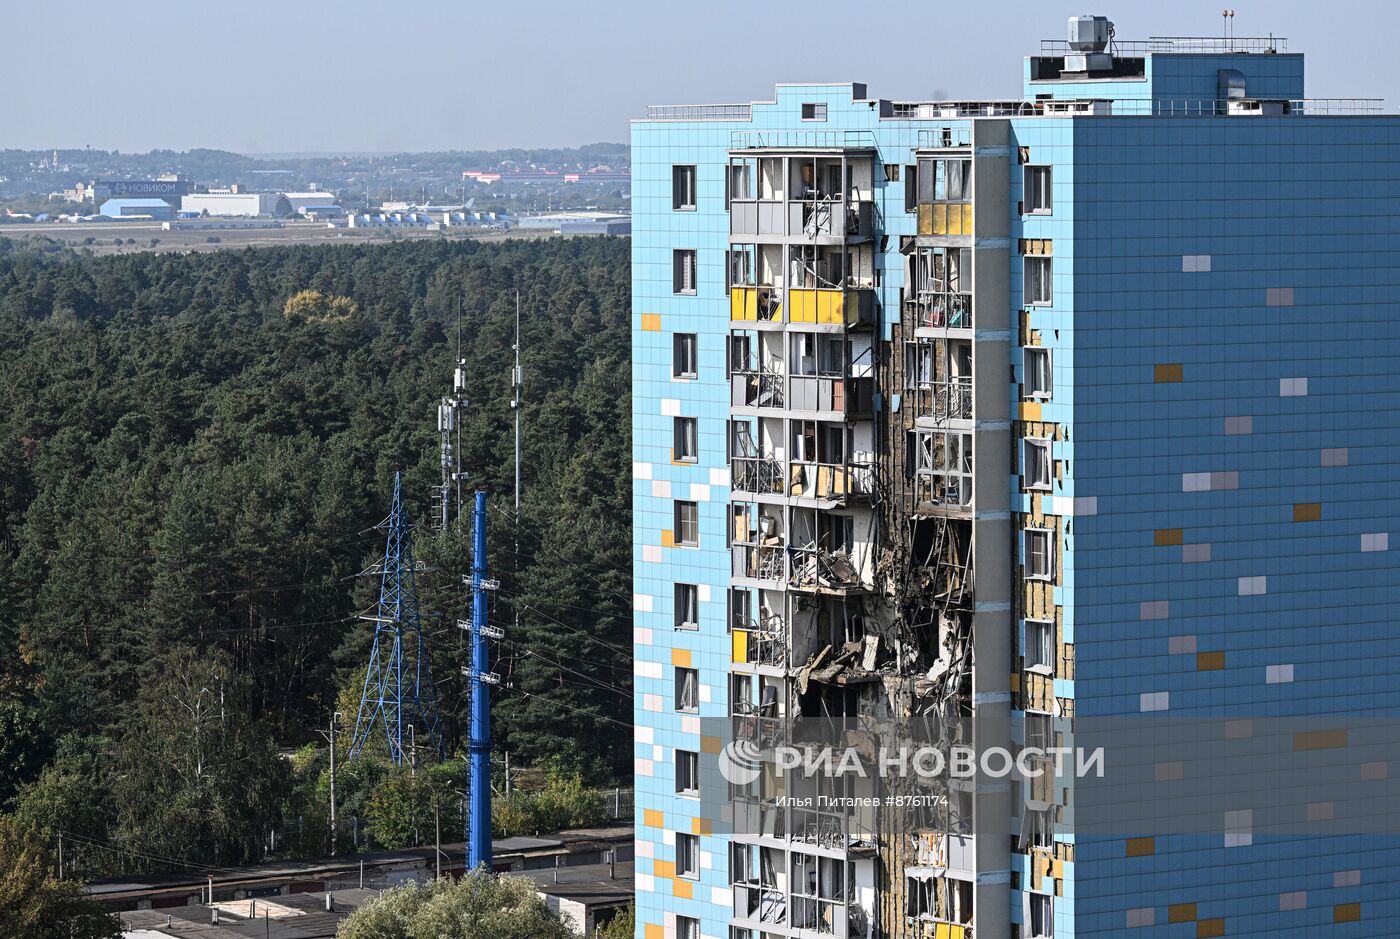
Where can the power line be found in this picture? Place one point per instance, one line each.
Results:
(108, 846)
(599, 717)
(604, 685)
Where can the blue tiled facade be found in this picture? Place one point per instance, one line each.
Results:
(1223, 423)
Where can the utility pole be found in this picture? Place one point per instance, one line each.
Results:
(60, 855)
(437, 837)
(335, 716)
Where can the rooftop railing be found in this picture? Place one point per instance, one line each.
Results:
(1102, 107)
(1223, 45)
(699, 112)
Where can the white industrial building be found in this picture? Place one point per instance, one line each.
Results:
(236, 204)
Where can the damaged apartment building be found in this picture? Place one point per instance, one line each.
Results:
(953, 420)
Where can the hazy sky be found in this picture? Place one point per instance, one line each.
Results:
(261, 76)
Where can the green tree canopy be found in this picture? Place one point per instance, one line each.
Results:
(36, 905)
(479, 906)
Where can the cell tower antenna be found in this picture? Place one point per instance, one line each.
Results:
(449, 451)
(398, 689)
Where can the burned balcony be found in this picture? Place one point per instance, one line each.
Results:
(829, 552)
(760, 475)
(942, 401)
(758, 546)
(937, 906)
(938, 379)
(940, 463)
(756, 388)
(760, 643)
(938, 289)
(830, 460)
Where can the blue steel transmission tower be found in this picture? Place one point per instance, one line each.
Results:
(398, 694)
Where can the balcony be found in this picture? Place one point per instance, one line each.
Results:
(760, 645)
(755, 304)
(940, 491)
(945, 218)
(943, 401)
(845, 396)
(756, 474)
(811, 480)
(756, 388)
(760, 561)
(764, 731)
(946, 310)
(813, 219)
(760, 904)
(834, 306)
(818, 569)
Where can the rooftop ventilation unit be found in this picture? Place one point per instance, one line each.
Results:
(1089, 38)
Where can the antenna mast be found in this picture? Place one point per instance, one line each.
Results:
(449, 452)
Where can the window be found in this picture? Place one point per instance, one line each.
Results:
(683, 271)
(683, 188)
(1036, 368)
(687, 689)
(814, 111)
(1037, 191)
(738, 183)
(685, 448)
(1039, 730)
(1042, 923)
(687, 862)
(688, 524)
(1037, 280)
(945, 180)
(687, 775)
(911, 187)
(687, 927)
(1037, 459)
(687, 605)
(683, 355)
(1039, 650)
(892, 172)
(1039, 559)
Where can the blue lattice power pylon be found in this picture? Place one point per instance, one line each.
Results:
(398, 694)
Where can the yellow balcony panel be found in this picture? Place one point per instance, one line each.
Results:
(743, 303)
(832, 306)
(945, 218)
(925, 218)
(741, 647)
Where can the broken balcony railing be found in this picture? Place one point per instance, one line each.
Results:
(760, 561)
(814, 568)
(939, 309)
(756, 388)
(756, 725)
(759, 903)
(814, 480)
(943, 490)
(756, 474)
(826, 917)
(944, 400)
(760, 645)
(755, 304)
